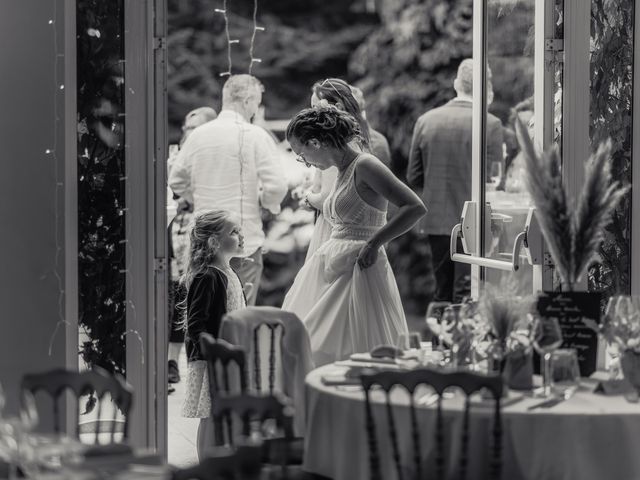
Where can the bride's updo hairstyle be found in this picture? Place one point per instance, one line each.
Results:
(330, 126)
(336, 91)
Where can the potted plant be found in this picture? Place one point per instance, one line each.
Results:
(573, 229)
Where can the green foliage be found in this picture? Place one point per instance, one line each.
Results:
(296, 50)
(612, 38)
(101, 226)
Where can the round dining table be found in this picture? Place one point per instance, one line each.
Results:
(589, 436)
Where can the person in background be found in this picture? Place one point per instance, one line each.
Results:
(439, 170)
(230, 164)
(213, 289)
(178, 243)
(514, 171)
(379, 144)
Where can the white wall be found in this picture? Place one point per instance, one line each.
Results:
(29, 289)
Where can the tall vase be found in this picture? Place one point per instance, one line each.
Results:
(518, 370)
(630, 363)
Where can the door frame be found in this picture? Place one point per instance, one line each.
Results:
(145, 163)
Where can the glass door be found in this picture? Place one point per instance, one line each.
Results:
(518, 57)
(510, 95)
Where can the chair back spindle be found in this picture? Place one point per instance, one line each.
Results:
(96, 382)
(468, 382)
(276, 330)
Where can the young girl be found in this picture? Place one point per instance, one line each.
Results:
(213, 289)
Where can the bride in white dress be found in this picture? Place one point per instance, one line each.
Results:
(346, 293)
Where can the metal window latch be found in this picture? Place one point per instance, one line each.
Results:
(160, 264)
(159, 43)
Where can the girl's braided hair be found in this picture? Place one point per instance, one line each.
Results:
(327, 124)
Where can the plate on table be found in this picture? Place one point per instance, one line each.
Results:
(367, 358)
(362, 365)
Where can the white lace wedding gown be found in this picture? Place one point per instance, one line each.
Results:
(346, 309)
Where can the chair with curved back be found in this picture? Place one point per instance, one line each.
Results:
(278, 353)
(256, 413)
(468, 382)
(242, 462)
(219, 353)
(221, 356)
(96, 382)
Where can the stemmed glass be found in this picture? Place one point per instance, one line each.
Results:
(547, 337)
(409, 344)
(613, 352)
(448, 320)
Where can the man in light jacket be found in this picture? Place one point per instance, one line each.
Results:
(230, 164)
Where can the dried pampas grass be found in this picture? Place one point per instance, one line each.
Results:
(573, 230)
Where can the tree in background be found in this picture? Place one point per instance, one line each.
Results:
(101, 199)
(303, 41)
(612, 38)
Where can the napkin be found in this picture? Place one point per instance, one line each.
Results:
(614, 387)
(334, 379)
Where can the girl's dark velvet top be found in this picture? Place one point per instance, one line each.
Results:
(206, 305)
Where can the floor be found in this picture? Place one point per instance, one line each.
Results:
(182, 431)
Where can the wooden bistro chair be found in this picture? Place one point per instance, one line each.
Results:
(240, 463)
(99, 383)
(257, 415)
(468, 382)
(226, 364)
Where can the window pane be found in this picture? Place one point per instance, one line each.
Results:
(510, 95)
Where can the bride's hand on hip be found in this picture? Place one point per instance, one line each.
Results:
(368, 255)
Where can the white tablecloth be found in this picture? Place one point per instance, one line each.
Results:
(588, 437)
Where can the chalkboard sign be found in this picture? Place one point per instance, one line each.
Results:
(570, 308)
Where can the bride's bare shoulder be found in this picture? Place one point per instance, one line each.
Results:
(370, 165)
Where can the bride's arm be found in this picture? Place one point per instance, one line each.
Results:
(410, 208)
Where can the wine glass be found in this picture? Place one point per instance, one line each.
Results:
(448, 321)
(611, 314)
(409, 344)
(547, 337)
(565, 372)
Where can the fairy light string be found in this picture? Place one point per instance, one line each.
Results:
(224, 12)
(256, 29)
(59, 184)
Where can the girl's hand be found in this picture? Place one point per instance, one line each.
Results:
(304, 203)
(368, 256)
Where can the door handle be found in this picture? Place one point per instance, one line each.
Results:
(512, 266)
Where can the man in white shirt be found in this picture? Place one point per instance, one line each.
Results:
(230, 164)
